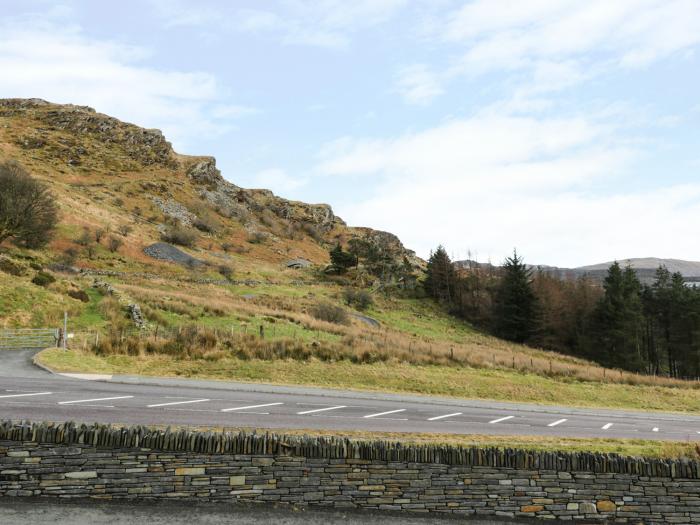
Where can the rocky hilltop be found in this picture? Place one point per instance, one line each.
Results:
(106, 172)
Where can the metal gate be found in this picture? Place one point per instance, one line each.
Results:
(29, 338)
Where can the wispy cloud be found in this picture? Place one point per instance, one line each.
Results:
(417, 84)
(63, 65)
(324, 23)
(561, 44)
(491, 181)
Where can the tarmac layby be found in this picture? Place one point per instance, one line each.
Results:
(27, 392)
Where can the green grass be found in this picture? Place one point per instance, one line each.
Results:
(457, 382)
(422, 319)
(90, 318)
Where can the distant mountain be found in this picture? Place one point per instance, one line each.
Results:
(644, 266)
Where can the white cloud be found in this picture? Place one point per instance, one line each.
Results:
(563, 43)
(61, 65)
(417, 84)
(492, 182)
(278, 180)
(319, 23)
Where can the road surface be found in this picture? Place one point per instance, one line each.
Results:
(27, 392)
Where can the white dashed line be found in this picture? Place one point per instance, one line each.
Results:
(558, 422)
(320, 410)
(91, 400)
(385, 413)
(443, 417)
(251, 406)
(606, 426)
(655, 429)
(33, 394)
(501, 419)
(178, 403)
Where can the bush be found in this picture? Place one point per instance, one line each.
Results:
(28, 212)
(70, 255)
(114, 244)
(256, 238)
(204, 224)
(99, 233)
(226, 271)
(124, 230)
(330, 313)
(9, 266)
(43, 279)
(361, 299)
(80, 295)
(84, 238)
(180, 235)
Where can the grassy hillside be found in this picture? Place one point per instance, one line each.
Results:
(228, 306)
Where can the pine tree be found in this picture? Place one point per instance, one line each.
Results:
(515, 306)
(618, 321)
(341, 259)
(441, 277)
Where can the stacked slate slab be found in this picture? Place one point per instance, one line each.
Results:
(101, 461)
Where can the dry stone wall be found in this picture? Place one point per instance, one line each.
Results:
(142, 463)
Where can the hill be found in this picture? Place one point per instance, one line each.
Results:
(645, 267)
(166, 268)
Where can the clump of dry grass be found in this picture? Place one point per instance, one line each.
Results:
(364, 344)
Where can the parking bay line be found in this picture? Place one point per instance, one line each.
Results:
(384, 413)
(91, 400)
(251, 406)
(506, 418)
(558, 422)
(320, 410)
(178, 403)
(25, 395)
(444, 416)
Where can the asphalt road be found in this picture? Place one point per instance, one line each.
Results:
(27, 392)
(30, 511)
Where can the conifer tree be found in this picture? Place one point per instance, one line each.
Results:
(441, 277)
(515, 305)
(618, 321)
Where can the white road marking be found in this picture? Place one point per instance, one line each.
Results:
(23, 395)
(91, 400)
(606, 426)
(320, 410)
(558, 422)
(501, 419)
(251, 406)
(655, 429)
(178, 403)
(386, 413)
(443, 417)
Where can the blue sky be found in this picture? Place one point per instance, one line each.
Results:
(567, 129)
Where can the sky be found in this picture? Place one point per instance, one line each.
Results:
(568, 130)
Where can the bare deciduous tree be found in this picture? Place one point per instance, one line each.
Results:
(28, 213)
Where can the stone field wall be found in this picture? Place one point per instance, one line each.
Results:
(141, 463)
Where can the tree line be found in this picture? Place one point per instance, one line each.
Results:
(619, 323)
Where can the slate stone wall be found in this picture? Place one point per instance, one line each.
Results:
(138, 463)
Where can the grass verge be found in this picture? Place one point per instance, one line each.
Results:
(461, 382)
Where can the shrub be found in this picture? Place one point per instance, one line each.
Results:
(84, 238)
(99, 233)
(226, 271)
(330, 313)
(114, 244)
(226, 246)
(256, 238)
(70, 255)
(43, 279)
(180, 235)
(124, 229)
(204, 224)
(28, 212)
(80, 295)
(361, 299)
(7, 265)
